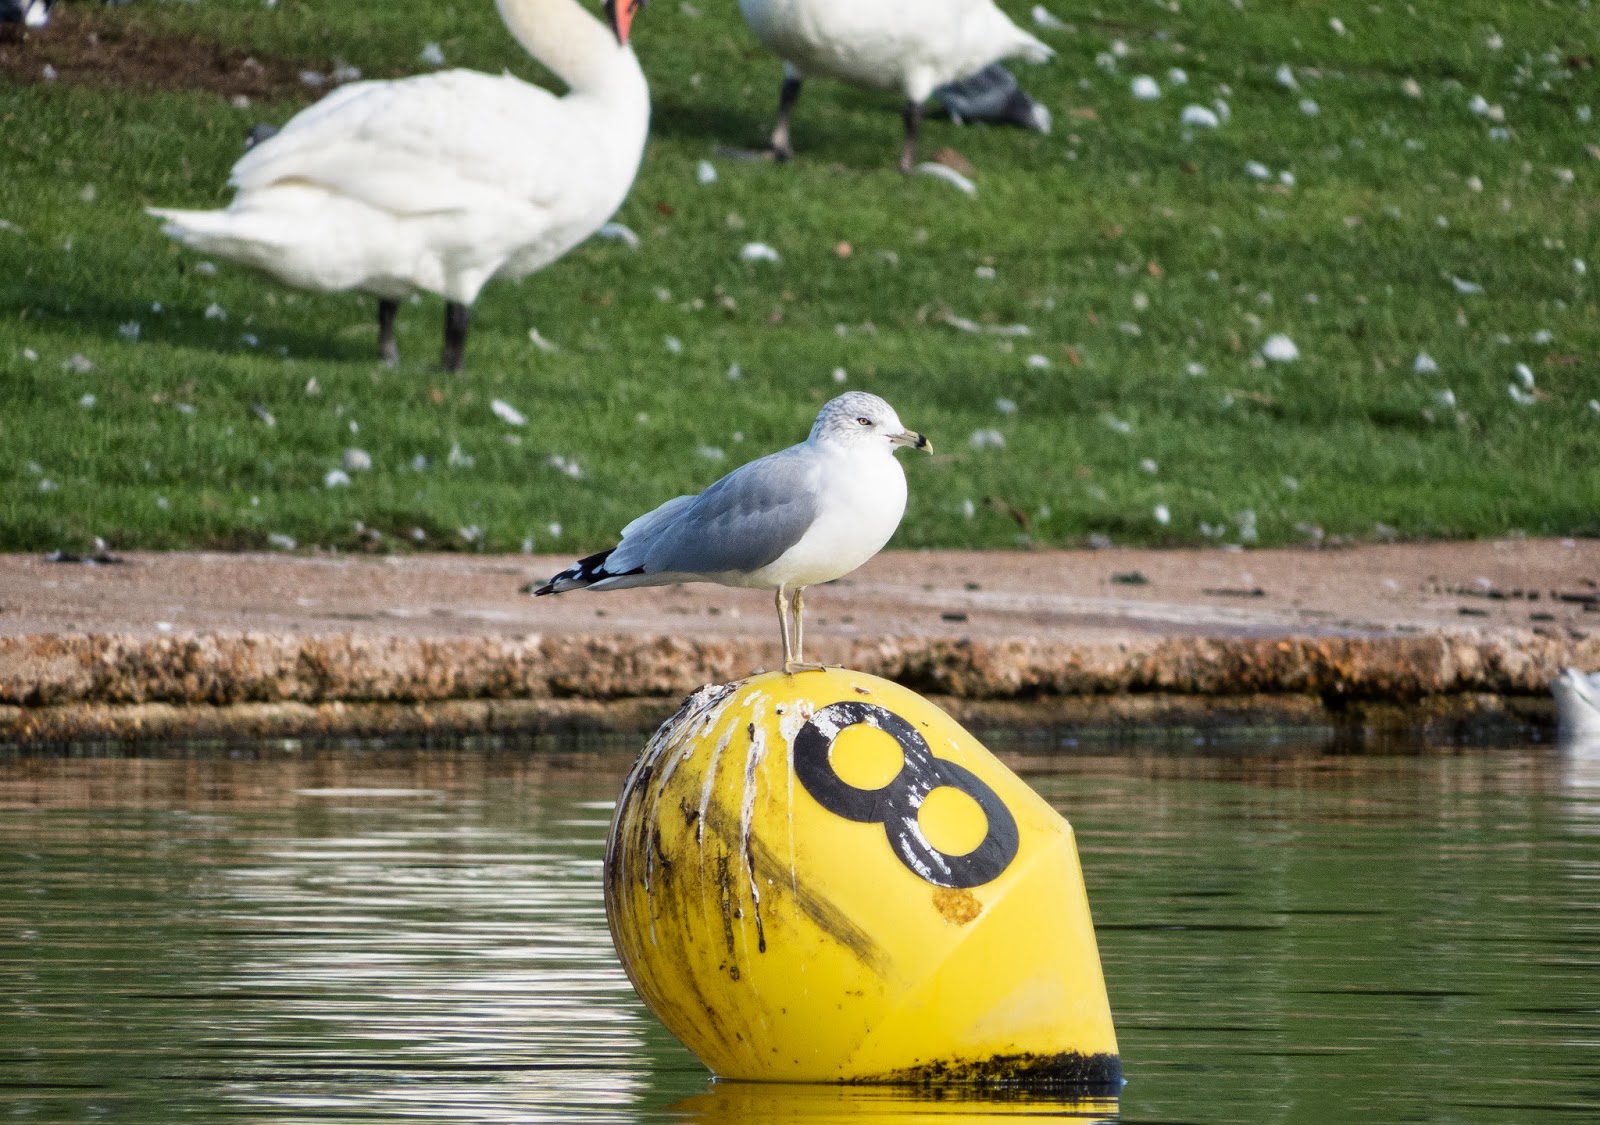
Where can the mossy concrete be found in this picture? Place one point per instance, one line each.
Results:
(221, 646)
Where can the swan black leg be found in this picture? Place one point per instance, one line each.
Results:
(912, 115)
(456, 319)
(388, 351)
(787, 96)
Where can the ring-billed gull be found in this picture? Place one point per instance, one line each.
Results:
(810, 513)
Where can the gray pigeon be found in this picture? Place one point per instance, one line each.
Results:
(992, 94)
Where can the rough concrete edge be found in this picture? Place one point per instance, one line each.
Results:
(79, 723)
(79, 687)
(167, 722)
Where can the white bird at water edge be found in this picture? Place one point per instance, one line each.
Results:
(1577, 704)
(807, 514)
(442, 182)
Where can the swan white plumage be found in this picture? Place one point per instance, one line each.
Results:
(442, 182)
(911, 45)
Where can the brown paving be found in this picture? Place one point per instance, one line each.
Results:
(225, 646)
(1548, 588)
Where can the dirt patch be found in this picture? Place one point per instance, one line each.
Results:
(956, 906)
(121, 50)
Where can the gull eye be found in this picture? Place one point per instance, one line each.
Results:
(864, 421)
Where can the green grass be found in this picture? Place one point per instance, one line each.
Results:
(1137, 251)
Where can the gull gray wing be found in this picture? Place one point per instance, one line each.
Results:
(652, 521)
(743, 522)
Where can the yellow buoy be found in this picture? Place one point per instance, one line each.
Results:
(823, 877)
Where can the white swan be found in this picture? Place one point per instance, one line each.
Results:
(911, 45)
(443, 181)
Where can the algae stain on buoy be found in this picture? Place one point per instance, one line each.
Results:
(742, 1103)
(823, 877)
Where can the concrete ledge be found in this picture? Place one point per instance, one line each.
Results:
(204, 645)
(168, 722)
(75, 723)
(56, 688)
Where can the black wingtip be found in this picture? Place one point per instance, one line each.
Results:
(584, 572)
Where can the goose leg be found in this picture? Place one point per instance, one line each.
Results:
(787, 96)
(912, 116)
(456, 319)
(387, 350)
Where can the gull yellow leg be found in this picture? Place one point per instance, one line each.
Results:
(782, 600)
(798, 662)
(799, 626)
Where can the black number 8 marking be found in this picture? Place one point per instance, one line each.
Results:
(896, 805)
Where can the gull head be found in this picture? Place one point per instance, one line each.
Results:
(861, 420)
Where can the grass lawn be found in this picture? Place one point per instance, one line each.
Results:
(1409, 192)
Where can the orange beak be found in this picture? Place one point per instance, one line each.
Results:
(620, 13)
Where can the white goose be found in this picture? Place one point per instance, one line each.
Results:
(915, 46)
(443, 181)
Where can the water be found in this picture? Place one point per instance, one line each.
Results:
(279, 933)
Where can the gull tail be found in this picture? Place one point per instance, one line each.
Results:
(581, 574)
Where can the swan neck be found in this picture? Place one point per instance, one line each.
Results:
(566, 38)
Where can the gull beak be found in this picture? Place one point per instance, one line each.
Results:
(913, 439)
(619, 14)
